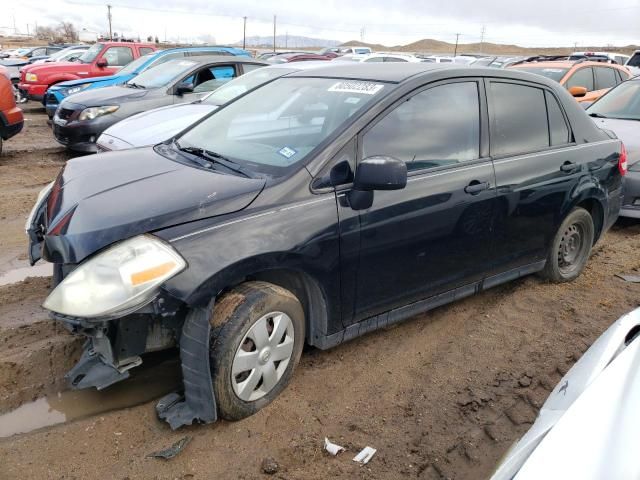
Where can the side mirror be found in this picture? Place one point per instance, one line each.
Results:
(380, 173)
(578, 91)
(183, 88)
(376, 173)
(102, 63)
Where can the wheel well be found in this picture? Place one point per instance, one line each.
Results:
(596, 211)
(306, 289)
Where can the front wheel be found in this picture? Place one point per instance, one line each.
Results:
(256, 341)
(571, 247)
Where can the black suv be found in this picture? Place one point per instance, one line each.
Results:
(321, 206)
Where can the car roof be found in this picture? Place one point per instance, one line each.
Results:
(200, 59)
(564, 64)
(382, 72)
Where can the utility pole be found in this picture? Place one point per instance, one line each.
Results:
(362, 31)
(575, 46)
(455, 51)
(274, 34)
(109, 17)
(482, 32)
(286, 40)
(244, 33)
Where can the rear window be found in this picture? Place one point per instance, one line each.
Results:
(550, 72)
(519, 119)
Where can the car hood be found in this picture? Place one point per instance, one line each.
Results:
(53, 67)
(84, 81)
(590, 418)
(626, 130)
(13, 62)
(114, 95)
(98, 200)
(155, 126)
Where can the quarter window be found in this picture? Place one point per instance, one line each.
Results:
(605, 78)
(519, 119)
(558, 130)
(436, 127)
(582, 78)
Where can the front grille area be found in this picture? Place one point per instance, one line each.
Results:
(51, 99)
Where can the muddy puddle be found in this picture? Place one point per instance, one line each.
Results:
(18, 274)
(154, 379)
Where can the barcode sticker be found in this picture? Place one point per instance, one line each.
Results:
(356, 86)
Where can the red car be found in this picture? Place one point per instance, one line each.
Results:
(11, 119)
(102, 59)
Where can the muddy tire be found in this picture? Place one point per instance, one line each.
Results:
(570, 248)
(257, 335)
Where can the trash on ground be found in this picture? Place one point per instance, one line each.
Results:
(365, 455)
(173, 450)
(270, 465)
(332, 448)
(629, 278)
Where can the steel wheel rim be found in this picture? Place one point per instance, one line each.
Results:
(262, 356)
(571, 247)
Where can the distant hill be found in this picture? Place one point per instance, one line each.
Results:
(290, 41)
(436, 46)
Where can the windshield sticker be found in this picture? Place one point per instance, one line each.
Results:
(287, 152)
(352, 100)
(355, 86)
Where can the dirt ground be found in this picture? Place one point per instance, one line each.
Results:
(440, 396)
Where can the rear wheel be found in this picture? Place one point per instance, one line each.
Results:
(571, 247)
(256, 341)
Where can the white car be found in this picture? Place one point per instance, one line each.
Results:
(438, 59)
(589, 426)
(355, 50)
(633, 64)
(619, 58)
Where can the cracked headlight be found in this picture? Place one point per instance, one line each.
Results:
(118, 280)
(94, 112)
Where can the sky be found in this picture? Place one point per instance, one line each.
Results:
(393, 22)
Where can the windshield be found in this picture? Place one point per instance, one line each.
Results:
(91, 54)
(634, 61)
(243, 84)
(622, 102)
(133, 66)
(272, 129)
(163, 74)
(552, 73)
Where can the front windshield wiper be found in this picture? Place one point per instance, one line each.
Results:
(597, 115)
(135, 85)
(207, 158)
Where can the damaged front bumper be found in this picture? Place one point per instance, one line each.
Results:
(113, 347)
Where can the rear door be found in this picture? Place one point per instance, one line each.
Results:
(435, 234)
(536, 164)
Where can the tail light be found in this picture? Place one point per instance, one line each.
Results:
(622, 160)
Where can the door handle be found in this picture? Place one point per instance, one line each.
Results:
(476, 187)
(568, 167)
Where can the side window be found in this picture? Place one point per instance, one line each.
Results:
(145, 50)
(605, 77)
(558, 130)
(518, 119)
(118, 56)
(38, 51)
(374, 59)
(250, 67)
(438, 126)
(581, 78)
(210, 78)
(394, 59)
